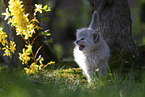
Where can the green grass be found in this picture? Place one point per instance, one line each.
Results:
(67, 83)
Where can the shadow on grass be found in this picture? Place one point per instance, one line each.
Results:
(67, 83)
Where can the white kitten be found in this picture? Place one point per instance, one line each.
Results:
(91, 51)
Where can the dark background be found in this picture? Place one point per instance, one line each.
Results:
(68, 15)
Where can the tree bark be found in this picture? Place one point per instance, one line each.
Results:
(114, 23)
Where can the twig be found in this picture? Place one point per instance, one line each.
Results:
(38, 50)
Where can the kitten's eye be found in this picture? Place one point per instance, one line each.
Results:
(82, 38)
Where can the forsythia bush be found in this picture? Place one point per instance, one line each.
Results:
(24, 27)
(7, 47)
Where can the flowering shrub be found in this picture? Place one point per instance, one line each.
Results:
(8, 47)
(24, 27)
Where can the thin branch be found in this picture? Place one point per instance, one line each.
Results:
(46, 65)
(38, 50)
(34, 39)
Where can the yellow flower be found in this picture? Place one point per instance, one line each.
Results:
(38, 8)
(40, 67)
(12, 46)
(34, 66)
(26, 28)
(7, 14)
(8, 47)
(41, 60)
(35, 20)
(3, 37)
(30, 31)
(46, 8)
(24, 57)
(27, 70)
(19, 19)
(51, 62)
(7, 51)
(29, 48)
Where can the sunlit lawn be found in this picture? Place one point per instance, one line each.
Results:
(67, 83)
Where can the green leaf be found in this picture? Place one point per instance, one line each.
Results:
(45, 33)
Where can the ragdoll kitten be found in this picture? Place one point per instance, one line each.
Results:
(91, 51)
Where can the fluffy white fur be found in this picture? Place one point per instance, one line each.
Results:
(91, 52)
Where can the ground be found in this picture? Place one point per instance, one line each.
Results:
(67, 82)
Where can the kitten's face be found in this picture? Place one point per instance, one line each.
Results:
(86, 39)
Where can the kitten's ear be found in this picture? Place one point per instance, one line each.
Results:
(93, 24)
(95, 37)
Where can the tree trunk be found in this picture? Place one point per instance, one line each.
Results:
(114, 23)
